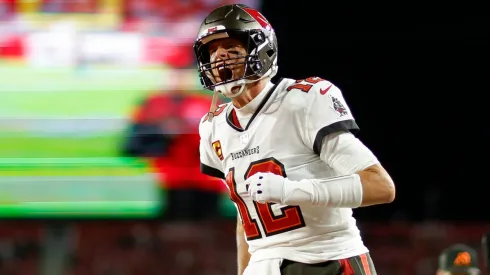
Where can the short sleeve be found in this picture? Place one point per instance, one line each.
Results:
(326, 112)
(210, 154)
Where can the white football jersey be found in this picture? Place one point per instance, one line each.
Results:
(284, 136)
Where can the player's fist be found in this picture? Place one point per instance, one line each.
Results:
(265, 187)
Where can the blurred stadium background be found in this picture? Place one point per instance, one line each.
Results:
(78, 78)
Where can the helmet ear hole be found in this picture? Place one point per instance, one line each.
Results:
(258, 38)
(270, 52)
(257, 67)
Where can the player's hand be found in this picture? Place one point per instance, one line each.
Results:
(266, 187)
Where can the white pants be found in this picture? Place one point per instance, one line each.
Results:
(264, 267)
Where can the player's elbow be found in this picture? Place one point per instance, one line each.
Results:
(387, 185)
(389, 190)
(382, 191)
(378, 186)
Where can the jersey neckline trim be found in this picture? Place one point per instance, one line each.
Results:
(229, 119)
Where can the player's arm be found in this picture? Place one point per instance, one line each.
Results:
(327, 129)
(330, 131)
(210, 162)
(366, 181)
(377, 186)
(243, 257)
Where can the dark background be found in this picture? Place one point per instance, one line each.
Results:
(416, 82)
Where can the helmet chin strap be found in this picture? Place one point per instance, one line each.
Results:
(227, 89)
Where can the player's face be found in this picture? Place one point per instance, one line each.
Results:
(229, 53)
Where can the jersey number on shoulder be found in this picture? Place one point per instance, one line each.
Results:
(310, 81)
(290, 217)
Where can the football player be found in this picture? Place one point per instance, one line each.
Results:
(287, 153)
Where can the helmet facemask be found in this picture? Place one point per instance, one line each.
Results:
(253, 40)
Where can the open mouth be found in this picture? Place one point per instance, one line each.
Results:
(225, 73)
